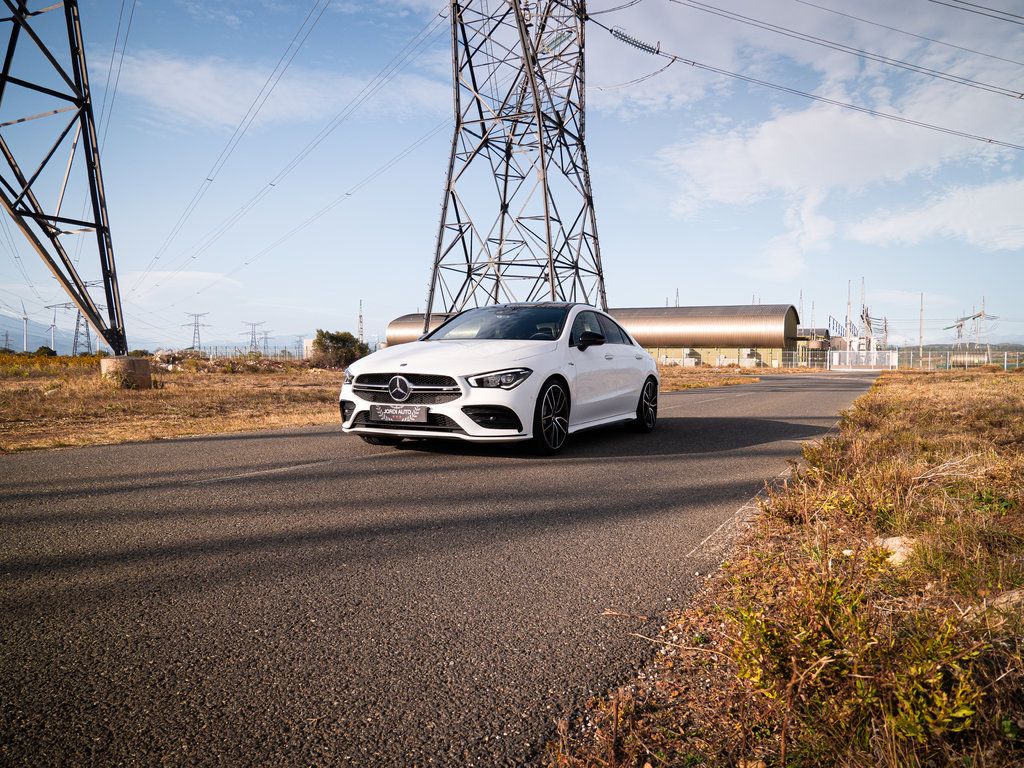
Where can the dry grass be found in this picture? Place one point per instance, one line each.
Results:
(676, 377)
(51, 403)
(812, 648)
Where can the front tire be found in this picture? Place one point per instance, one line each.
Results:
(381, 440)
(647, 407)
(551, 419)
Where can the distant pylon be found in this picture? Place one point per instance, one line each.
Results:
(81, 330)
(266, 342)
(254, 342)
(517, 217)
(195, 325)
(677, 297)
(359, 334)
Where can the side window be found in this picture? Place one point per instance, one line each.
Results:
(625, 336)
(585, 321)
(612, 334)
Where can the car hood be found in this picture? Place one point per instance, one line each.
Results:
(455, 358)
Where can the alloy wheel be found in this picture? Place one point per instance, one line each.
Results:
(649, 404)
(554, 417)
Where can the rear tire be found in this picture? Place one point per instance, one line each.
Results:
(381, 440)
(647, 407)
(551, 419)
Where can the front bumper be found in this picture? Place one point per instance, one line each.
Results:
(462, 418)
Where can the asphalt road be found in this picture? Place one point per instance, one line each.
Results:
(302, 598)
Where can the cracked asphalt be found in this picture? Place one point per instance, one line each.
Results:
(302, 598)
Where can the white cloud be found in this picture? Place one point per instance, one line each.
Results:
(212, 91)
(988, 217)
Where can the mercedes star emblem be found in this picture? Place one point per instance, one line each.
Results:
(399, 389)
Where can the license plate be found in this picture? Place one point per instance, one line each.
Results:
(400, 413)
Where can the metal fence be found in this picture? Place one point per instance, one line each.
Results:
(292, 352)
(952, 359)
(877, 360)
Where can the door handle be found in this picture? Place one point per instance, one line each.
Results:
(609, 357)
(639, 357)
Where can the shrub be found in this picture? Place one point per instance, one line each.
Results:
(336, 349)
(45, 352)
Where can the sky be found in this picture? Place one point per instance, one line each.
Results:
(726, 190)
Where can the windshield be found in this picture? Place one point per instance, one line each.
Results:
(521, 323)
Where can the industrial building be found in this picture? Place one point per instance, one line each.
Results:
(745, 335)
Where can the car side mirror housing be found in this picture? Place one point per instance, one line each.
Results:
(590, 339)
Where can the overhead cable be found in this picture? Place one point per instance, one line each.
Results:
(832, 102)
(981, 10)
(261, 98)
(870, 56)
(412, 50)
(331, 205)
(910, 34)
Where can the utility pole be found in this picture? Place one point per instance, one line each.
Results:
(920, 329)
(849, 309)
(195, 325)
(519, 98)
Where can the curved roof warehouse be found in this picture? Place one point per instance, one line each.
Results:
(740, 326)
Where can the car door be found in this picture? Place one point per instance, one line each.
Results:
(619, 352)
(590, 370)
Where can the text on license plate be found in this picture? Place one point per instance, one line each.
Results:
(403, 413)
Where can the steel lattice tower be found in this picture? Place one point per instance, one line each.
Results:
(517, 220)
(44, 78)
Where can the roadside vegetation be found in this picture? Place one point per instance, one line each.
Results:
(50, 402)
(871, 615)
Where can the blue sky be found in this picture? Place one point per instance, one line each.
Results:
(723, 189)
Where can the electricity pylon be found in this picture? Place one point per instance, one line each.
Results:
(517, 217)
(44, 78)
(253, 333)
(195, 325)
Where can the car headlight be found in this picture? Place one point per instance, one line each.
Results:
(349, 378)
(507, 379)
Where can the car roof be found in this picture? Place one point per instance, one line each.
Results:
(560, 304)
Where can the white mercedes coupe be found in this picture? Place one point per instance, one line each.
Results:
(508, 372)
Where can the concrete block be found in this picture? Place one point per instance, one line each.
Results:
(127, 372)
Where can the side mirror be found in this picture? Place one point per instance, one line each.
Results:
(590, 339)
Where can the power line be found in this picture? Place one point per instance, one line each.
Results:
(330, 206)
(412, 50)
(257, 104)
(622, 7)
(832, 102)
(986, 8)
(841, 47)
(117, 79)
(981, 11)
(905, 32)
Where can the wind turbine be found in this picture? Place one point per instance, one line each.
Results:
(24, 336)
(53, 328)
